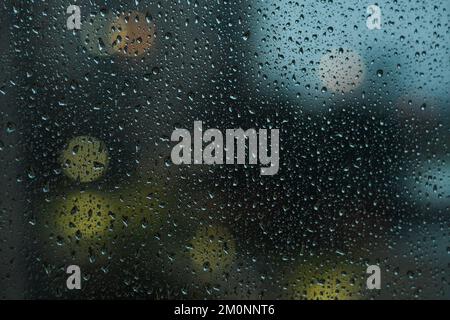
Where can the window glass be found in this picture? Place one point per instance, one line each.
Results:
(225, 149)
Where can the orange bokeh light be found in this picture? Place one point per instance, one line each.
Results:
(132, 34)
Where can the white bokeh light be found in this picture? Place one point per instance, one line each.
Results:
(341, 70)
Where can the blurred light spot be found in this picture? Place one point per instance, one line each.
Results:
(85, 215)
(341, 70)
(84, 159)
(321, 281)
(213, 249)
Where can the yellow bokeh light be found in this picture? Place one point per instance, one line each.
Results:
(213, 249)
(80, 226)
(312, 281)
(85, 215)
(84, 159)
(88, 226)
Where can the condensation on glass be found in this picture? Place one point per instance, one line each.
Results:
(92, 92)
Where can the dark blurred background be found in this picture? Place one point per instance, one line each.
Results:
(87, 179)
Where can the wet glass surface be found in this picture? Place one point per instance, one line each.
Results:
(88, 114)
